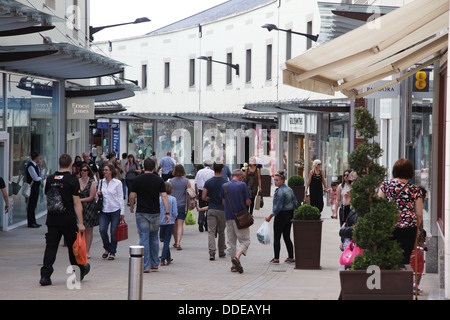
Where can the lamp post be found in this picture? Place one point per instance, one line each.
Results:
(271, 27)
(234, 66)
(93, 30)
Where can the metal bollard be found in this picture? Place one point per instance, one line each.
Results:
(136, 269)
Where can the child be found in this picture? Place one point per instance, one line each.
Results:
(166, 229)
(332, 192)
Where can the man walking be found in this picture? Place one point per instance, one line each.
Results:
(216, 214)
(64, 217)
(200, 178)
(166, 166)
(34, 175)
(237, 194)
(147, 188)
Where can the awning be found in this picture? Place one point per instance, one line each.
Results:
(108, 108)
(57, 61)
(298, 106)
(413, 34)
(18, 19)
(103, 93)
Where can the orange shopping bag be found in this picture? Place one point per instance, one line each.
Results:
(79, 249)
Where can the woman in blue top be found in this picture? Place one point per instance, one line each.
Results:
(284, 204)
(166, 229)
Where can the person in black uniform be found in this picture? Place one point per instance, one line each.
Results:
(34, 175)
(64, 217)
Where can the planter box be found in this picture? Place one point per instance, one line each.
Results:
(307, 243)
(394, 285)
(299, 192)
(266, 184)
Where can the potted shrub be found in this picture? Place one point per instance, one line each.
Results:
(374, 227)
(266, 182)
(307, 226)
(297, 184)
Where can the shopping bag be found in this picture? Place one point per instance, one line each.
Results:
(258, 202)
(190, 219)
(79, 249)
(263, 233)
(122, 230)
(350, 252)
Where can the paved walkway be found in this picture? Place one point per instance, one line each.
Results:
(191, 276)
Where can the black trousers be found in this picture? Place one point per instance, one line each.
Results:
(406, 237)
(32, 203)
(202, 214)
(282, 227)
(52, 239)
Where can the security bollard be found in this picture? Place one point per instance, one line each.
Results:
(136, 269)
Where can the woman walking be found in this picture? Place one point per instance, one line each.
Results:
(409, 201)
(284, 204)
(180, 184)
(113, 208)
(132, 170)
(166, 228)
(315, 181)
(253, 178)
(342, 207)
(88, 189)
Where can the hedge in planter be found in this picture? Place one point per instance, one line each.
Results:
(297, 184)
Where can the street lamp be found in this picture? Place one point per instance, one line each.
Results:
(234, 66)
(93, 30)
(271, 27)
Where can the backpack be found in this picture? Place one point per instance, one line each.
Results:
(55, 203)
(190, 197)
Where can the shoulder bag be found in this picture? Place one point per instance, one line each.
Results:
(243, 218)
(99, 202)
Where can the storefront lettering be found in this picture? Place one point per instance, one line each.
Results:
(80, 108)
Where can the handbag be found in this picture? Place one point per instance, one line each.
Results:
(122, 230)
(258, 202)
(26, 189)
(99, 202)
(243, 218)
(190, 219)
(79, 249)
(350, 252)
(190, 197)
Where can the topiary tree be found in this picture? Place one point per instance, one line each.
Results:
(376, 216)
(296, 180)
(306, 212)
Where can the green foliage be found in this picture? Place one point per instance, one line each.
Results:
(306, 212)
(296, 180)
(376, 216)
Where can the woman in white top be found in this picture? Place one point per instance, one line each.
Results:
(113, 210)
(342, 208)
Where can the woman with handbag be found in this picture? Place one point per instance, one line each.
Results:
(180, 184)
(252, 176)
(342, 208)
(113, 208)
(284, 204)
(316, 179)
(88, 191)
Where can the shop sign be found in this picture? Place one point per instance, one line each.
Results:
(80, 109)
(392, 91)
(294, 123)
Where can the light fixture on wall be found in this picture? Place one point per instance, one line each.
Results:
(234, 66)
(93, 30)
(271, 27)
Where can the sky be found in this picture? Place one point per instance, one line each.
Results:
(160, 12)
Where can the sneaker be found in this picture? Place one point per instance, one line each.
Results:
(274, 261)
(212, 256)
(289, 260)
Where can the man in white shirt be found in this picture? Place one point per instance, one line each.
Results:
(200, 178)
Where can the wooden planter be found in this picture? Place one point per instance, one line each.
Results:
(299, 192)
(394, 284)
(307, 243)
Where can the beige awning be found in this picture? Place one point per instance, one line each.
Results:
(413, 34)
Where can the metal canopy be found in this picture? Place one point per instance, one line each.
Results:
(57, 61)
(103, 93)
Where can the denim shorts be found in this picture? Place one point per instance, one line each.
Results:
(181, 212)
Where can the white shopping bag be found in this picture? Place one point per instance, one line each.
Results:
(263, 233)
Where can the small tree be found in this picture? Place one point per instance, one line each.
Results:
(376, 216)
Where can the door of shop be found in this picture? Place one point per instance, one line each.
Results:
(4, 166)
(299, 154)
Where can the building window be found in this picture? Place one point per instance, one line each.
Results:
(209, 72)
(309, 28)
(191, 72)
(166, 74)
(229, 69)
(269, 62)
(248, 66)
(288, 45)
(144, 76)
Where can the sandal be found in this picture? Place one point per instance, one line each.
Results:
(111, 257)
(105, 255)
(237, 265)
(289, 260)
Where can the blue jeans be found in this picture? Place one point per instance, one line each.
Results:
(105, 219)
(167, 230)
(148, 226)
